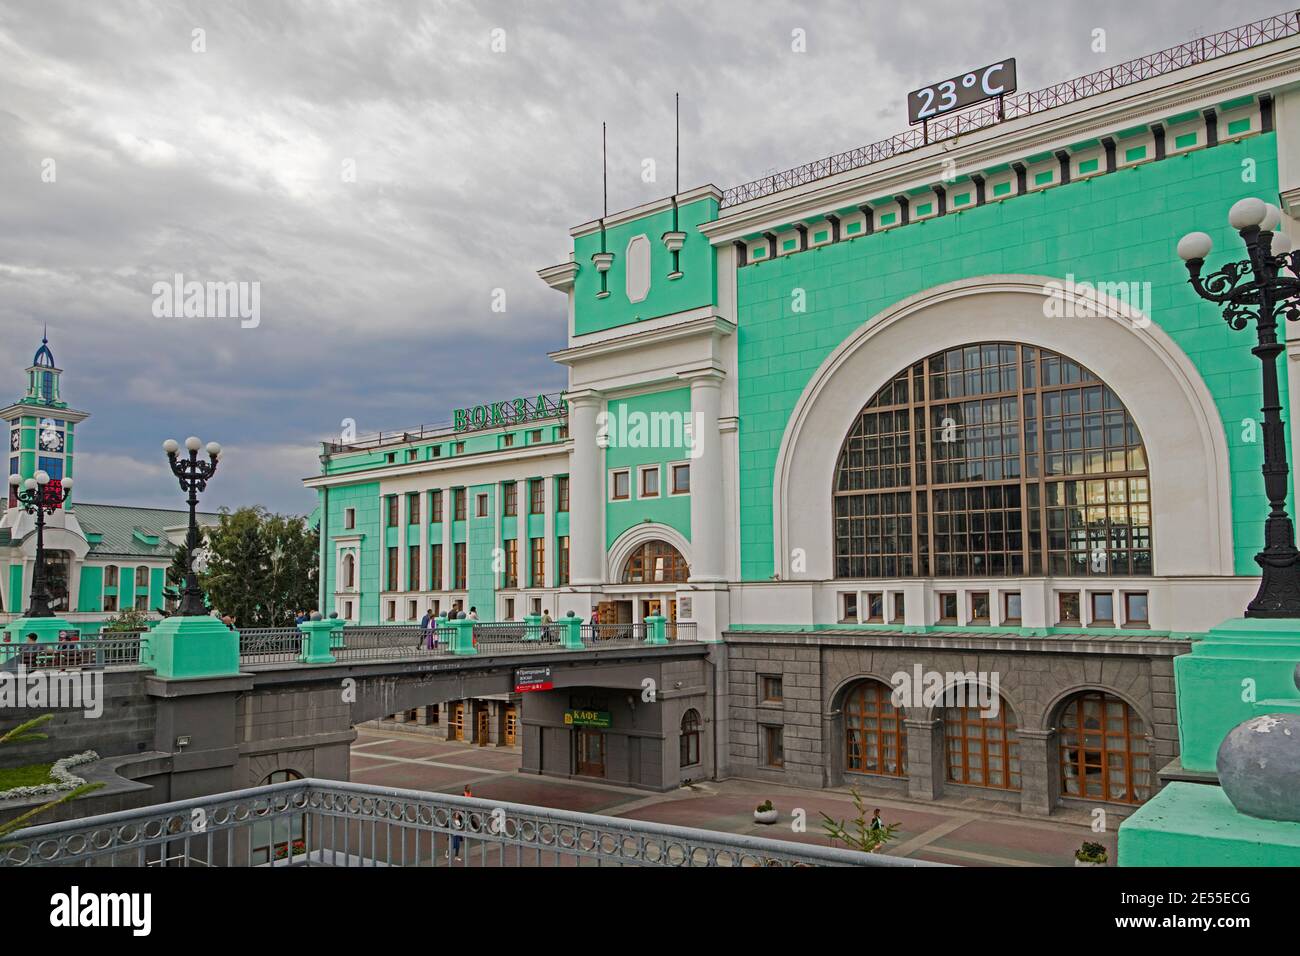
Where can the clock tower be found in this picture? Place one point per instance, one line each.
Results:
(41, 427)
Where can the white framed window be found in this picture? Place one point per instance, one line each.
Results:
(620, 485)
(679, 478)
(647, 481)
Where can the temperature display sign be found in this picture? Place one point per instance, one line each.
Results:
(986, 83)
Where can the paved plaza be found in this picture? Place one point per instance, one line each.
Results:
(946, 831)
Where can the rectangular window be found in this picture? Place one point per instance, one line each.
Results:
(1010, 607)
(413, 568)
(410, 454)
(771, 689)
(510, 609)
(620, 490)
(511, 505)
(562, 494)
(412, 612)
(534, 436)
(979, 607)
(900, 607)
(392, 611)
(512, 563)
(435, 506)
(458, 504)
(947, 607)
(536, 496)
(875, 607)
(507, 440)
(460, 448)
(681, 479)
(1067, 607)
(413, 508)
(650, 482)
(562, 561)
(535, 606)
(537, 566)
(849, 607)
(1135, 609)
(481, 506)
(1102, 607)
(142, 576)
(435, 567)
(142, 602)
(391, 501)
(110, 576)
(391, 582)
(110, 602)
(349, 518)
(773, 746)
(461, 570)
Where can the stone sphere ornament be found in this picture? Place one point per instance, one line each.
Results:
(1259, 767)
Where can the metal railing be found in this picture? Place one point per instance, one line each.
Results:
(1147, 67)
(277, 645)
(334, 823)
(120, 650)
(266, 645)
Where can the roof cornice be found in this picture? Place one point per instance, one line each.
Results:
(1193, 88)
(637, 212)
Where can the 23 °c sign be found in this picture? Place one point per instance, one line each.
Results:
(986, 83)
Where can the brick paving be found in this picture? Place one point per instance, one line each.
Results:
(961, 832)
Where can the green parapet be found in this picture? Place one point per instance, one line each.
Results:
(462, 636)
(532, 627)
(1243, 668)
(1194, 824)
(187, 647)
(572, 636)
(655, 631)
(317, 638)
(46, 629)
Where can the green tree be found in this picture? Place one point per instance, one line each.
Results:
(863, 837)
(262, 567)
(127, 619)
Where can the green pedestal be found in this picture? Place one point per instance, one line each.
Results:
(46, 629)
(462, 637)
(571, 636)
(532, 627)
(181, 647)
(1192, 824)
(1243, 668)
(655, 632)
(317, 638)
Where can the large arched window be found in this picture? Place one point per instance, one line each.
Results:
(875, 740)
(1103, 749)
(656, 562)
(992, 459)
(983, 751)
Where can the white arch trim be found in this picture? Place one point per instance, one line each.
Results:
(1187, 448)
(633, 538)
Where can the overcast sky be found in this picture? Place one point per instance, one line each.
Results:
(381, 168)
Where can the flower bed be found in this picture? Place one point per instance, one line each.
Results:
(61, 773)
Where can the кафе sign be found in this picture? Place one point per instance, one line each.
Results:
(515, 411)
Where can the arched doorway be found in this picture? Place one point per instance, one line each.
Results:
(1103, 749)
(992, 459)
(645, 572)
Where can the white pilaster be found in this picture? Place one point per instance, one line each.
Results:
(586, 491)
(708, 509)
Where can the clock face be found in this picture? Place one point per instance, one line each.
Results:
(51, 437)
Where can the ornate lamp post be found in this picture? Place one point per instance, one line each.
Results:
(1261, 287)
(39, 496)
(193, 476)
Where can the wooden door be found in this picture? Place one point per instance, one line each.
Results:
(458, 721)
(512, 725)
(591, 753)
(481, 733)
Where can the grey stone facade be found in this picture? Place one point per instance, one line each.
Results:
(1036, 675)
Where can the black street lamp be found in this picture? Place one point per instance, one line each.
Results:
(193, 476)
(39, 496)
(1262, 287)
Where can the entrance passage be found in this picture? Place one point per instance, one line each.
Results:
(591, 753)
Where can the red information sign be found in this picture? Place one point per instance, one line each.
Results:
(532, 678)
